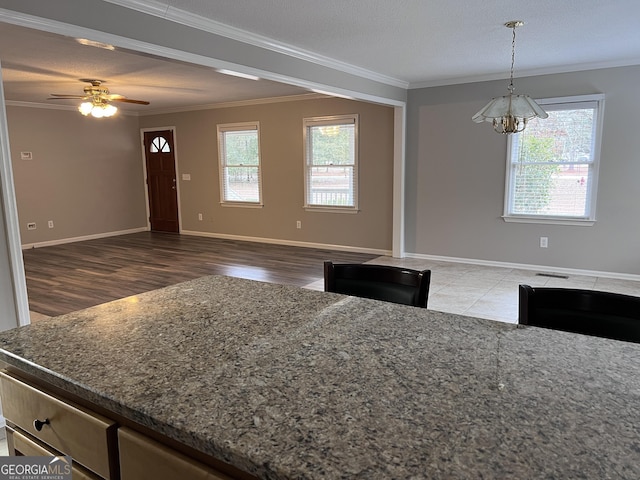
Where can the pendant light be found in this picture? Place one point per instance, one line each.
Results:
(509, 114)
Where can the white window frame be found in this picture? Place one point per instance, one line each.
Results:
(560, 103)
(330, 121)
(222, 163)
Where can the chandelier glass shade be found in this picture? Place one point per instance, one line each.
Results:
(509, 114)
(97, 108)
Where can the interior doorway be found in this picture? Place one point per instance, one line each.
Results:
(162, 186)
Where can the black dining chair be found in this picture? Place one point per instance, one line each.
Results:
(380, 282)
(590, 312)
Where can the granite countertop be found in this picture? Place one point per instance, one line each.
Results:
(286, 383)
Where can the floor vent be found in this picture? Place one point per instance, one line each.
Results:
(552, 275)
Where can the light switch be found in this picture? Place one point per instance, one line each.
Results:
(186, 176)
(26, 156)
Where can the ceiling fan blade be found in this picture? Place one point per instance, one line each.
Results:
(57, 96)
(129, 100)
(97, 94)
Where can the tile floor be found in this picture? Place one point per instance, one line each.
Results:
(491, 292)
(482, 291)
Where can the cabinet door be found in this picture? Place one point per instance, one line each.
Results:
(26, 446)
(84, 435)
(144, 459)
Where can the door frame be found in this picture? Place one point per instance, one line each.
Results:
(14, 289)
(144, 170)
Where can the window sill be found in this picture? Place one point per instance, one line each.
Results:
(242, 205)
(549, 220)
(309, 208)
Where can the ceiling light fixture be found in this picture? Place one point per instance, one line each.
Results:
(238, 74)
(97, 108)
(509, 114)
(96, 100)
(93, 43)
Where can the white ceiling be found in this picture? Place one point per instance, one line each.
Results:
(438, 41)
(36, 64)
(415, 42)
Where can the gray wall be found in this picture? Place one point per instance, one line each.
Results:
(456, 174)
(88, 178)
(282, 155)
(86, 174)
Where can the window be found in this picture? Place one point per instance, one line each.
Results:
(552, 166)
(160, 144)
(331, 163)
(239, 157)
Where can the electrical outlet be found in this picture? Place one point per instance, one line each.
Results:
(31, 226)
(544, 242)
(200, 216)
(50, 223)
(298, 224)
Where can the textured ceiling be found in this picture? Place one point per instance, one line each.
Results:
(416, 42)
(36, 64)
(438, 41)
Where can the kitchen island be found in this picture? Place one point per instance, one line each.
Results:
(283, 383)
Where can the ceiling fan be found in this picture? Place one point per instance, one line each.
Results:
(97, 99)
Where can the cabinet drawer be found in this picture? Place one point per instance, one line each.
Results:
(87, 437)
(30, 448)
(144, 459)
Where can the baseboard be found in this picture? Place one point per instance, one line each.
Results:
(290, 243)
(525, 266)
(348, 248)
(61, 241)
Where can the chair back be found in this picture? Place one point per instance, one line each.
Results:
(380, 282)
(591, 312)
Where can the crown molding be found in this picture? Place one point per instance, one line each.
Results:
(45, 106)
(167, 12)
(212, 106)
(60, 28)
(238, 103)
(526, 73)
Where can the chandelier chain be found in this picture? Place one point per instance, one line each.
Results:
(513, 59)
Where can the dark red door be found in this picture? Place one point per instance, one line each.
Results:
(161, 181)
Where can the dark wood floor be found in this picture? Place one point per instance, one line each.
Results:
(73, 276)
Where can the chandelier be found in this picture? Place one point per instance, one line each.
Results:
(98, 108)
(509, 114)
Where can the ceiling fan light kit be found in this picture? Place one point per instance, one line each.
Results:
(97, 110)
(97, 100)
(510, 114)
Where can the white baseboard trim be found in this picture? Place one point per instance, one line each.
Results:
(525, 266)
(348, 248)
(291, 243)
(61, 241)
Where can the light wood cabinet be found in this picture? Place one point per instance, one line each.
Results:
(89, 438)
(142, 458)
(41, 423)
(30, 447)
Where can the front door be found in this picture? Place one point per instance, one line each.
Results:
(161, 181)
